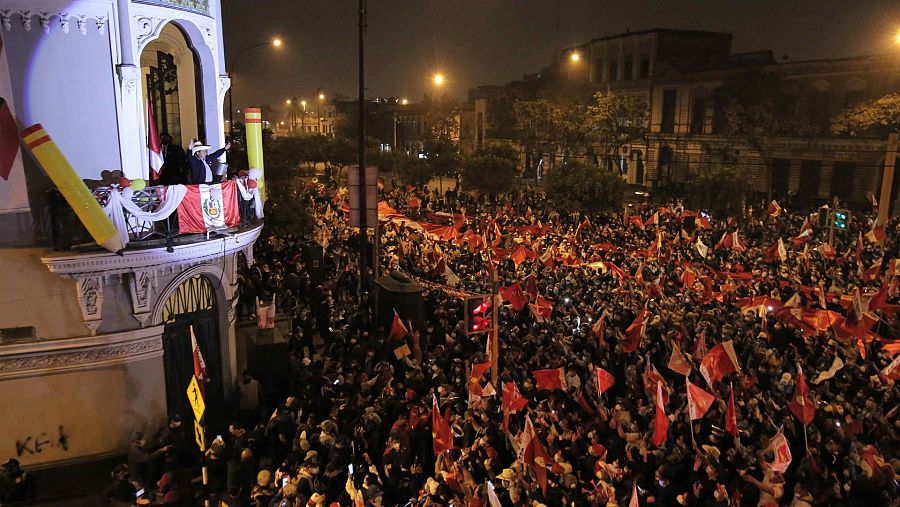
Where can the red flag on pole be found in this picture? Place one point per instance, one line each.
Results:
(548, 380)
(441, 434)
(718, 362)
(511, 402)
(731, 415)
(661, 423)
(9, 138)
(398, 330)
(699, 401)
(605, 380)
(801, 405)
(634, 333)
(782, 451)
(153, 145)
(599, 328)
(876, 235)
(534, 454)
(677, 362)
(199, 363)
(514, 295)
(478, 370)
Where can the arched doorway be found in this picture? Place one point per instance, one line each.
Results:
(173, 85)
(193, 306)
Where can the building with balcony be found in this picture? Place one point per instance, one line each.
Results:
(95, 345)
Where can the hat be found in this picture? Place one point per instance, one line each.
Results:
(198, 147)
(373, 491)
(507, 474)
(786, 377)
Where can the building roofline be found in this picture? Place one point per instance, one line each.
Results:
(649, 31)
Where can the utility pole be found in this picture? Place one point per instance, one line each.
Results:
(495, 317)
(361, 168)
(887, 180)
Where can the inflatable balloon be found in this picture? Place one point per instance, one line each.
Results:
(124, 182)
(138, 184)
(255, 174)
(243, 173)
(251, 184)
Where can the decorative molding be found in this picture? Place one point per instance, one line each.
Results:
(6, 19)
(81, 21)
(223, 83)
(146, 28)
(26, 19)
(142, 284)
(56, 356)
(128, 77)
(183, 256)
(64, 21)
(44, 18)
(101, 24)
(90, 300)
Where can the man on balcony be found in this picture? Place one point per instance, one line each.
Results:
(201, 163)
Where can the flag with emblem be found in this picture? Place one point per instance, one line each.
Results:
(208, 207)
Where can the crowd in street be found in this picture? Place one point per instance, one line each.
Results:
(658, 356)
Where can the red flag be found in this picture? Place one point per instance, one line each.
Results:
(511, 402)
(605, 380)
(774, 209)
(704, 223)
(677, 362)
(699, 401)
(478, 370)
(9, 138)
(599, 328)
(531, 286)
(514, 295)
(776, 251)
(581, 226)
(718, 362)
(661, 423)
(534, 454)
(153, 145)
(634, 333)
(700, 346)
(782, 451)
(801, 405)
(541, 309)
(653, 220)
(441, 433)
(548, 380)
(688, 277)
(199, 363)
(731, 415)
(874, 271)
(398, 330)
(859, 248)
(876, 235)
(651, 377)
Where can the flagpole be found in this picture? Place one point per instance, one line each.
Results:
(690, 421)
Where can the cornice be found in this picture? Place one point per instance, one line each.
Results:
(58, 356)
(158, 259)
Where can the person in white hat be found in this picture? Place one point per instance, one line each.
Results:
(201, 163)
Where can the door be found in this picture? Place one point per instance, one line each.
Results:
(193, 306)
(842, 180)
(781, 172)
(810, 177)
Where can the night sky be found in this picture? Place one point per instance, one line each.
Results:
(476, 42)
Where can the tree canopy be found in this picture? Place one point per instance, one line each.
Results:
(491, 171)
(873, 118)
(720, 191)
(580, 186)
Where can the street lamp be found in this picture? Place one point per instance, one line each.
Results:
(276, 42)
(438, 79)
(321, 97)
(575, 56)
(404, 102)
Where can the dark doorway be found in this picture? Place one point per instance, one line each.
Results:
(781, 174)
(664, 171)
(193, 305)
(842, 180)
(810, 177)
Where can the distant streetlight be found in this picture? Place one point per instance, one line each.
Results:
(575, 56)
(404, 102)
(288, 101)
(303, 103)
(321, 96)
(276, 42)
(438, 79)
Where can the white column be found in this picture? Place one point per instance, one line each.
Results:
(131, 117)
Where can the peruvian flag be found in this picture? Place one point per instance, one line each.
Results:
(441, 433)
(584, 223)
(534, 454)
(511, 401)
(699, 401)
(656, 245)
(660, 423)
(634, 333)
(156, 157)
(704, 223)
(731, 241)
(599, 327)
(718, 362)
(636, 220)
(548, 380)
(874, 271)
(782, 451)
(700, 345)
(541, 309)
(208, 207)
(199, 363)
(805, 233)
(398, 330)
(776, 251)
(677, 362)
(653, 220)
(859, 248)
(605, 380)
(774, 209)
(651, 378)
(892, 370)
(801, 405)
(876, 235)
(478, 370)
(702, 249)
(731, 415)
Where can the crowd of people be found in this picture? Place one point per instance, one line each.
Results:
(786, 340)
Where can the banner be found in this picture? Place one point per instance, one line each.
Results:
(208, 208)
(13, 195)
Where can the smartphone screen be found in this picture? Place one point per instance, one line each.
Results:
(138, 493)
(350, 468)
(284, 481)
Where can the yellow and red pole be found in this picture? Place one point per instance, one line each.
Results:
(72, 188)
(253, 133)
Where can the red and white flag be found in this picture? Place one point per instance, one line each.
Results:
(511, 401)
(876, 235)
(699, 401)
(208, 207)
(634, 333)
(199, 363)
(782, 451)
(661, 422)
(801, 404)
(534, 454)
(9, 138)
(774, 209)
(605, 380)
(398, 330)
(153, 145)
(441, 433)
(653, 220)
(677, 362)
(718, 362)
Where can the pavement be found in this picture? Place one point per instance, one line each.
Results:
(75, 485)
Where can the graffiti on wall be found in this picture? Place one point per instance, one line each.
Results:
(37, 443)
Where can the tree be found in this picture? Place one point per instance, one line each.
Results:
(584, 187)
(546, 126)
(616, 119)
(340, 153)
(720, 191)
(754, 110)
(489, 173)
(874, 118)
(413, 170)
(442, 157)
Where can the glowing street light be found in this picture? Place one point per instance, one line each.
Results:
(575, 56)
(404, 102)
(277, 42)
(303, 103)
(321, 96)
(439, 79)
(288, 101)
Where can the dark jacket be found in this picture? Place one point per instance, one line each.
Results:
(174, 169)
(198, 171)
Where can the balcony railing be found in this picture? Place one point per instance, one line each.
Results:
(67, 231)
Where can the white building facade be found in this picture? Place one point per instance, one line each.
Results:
(94, 345)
